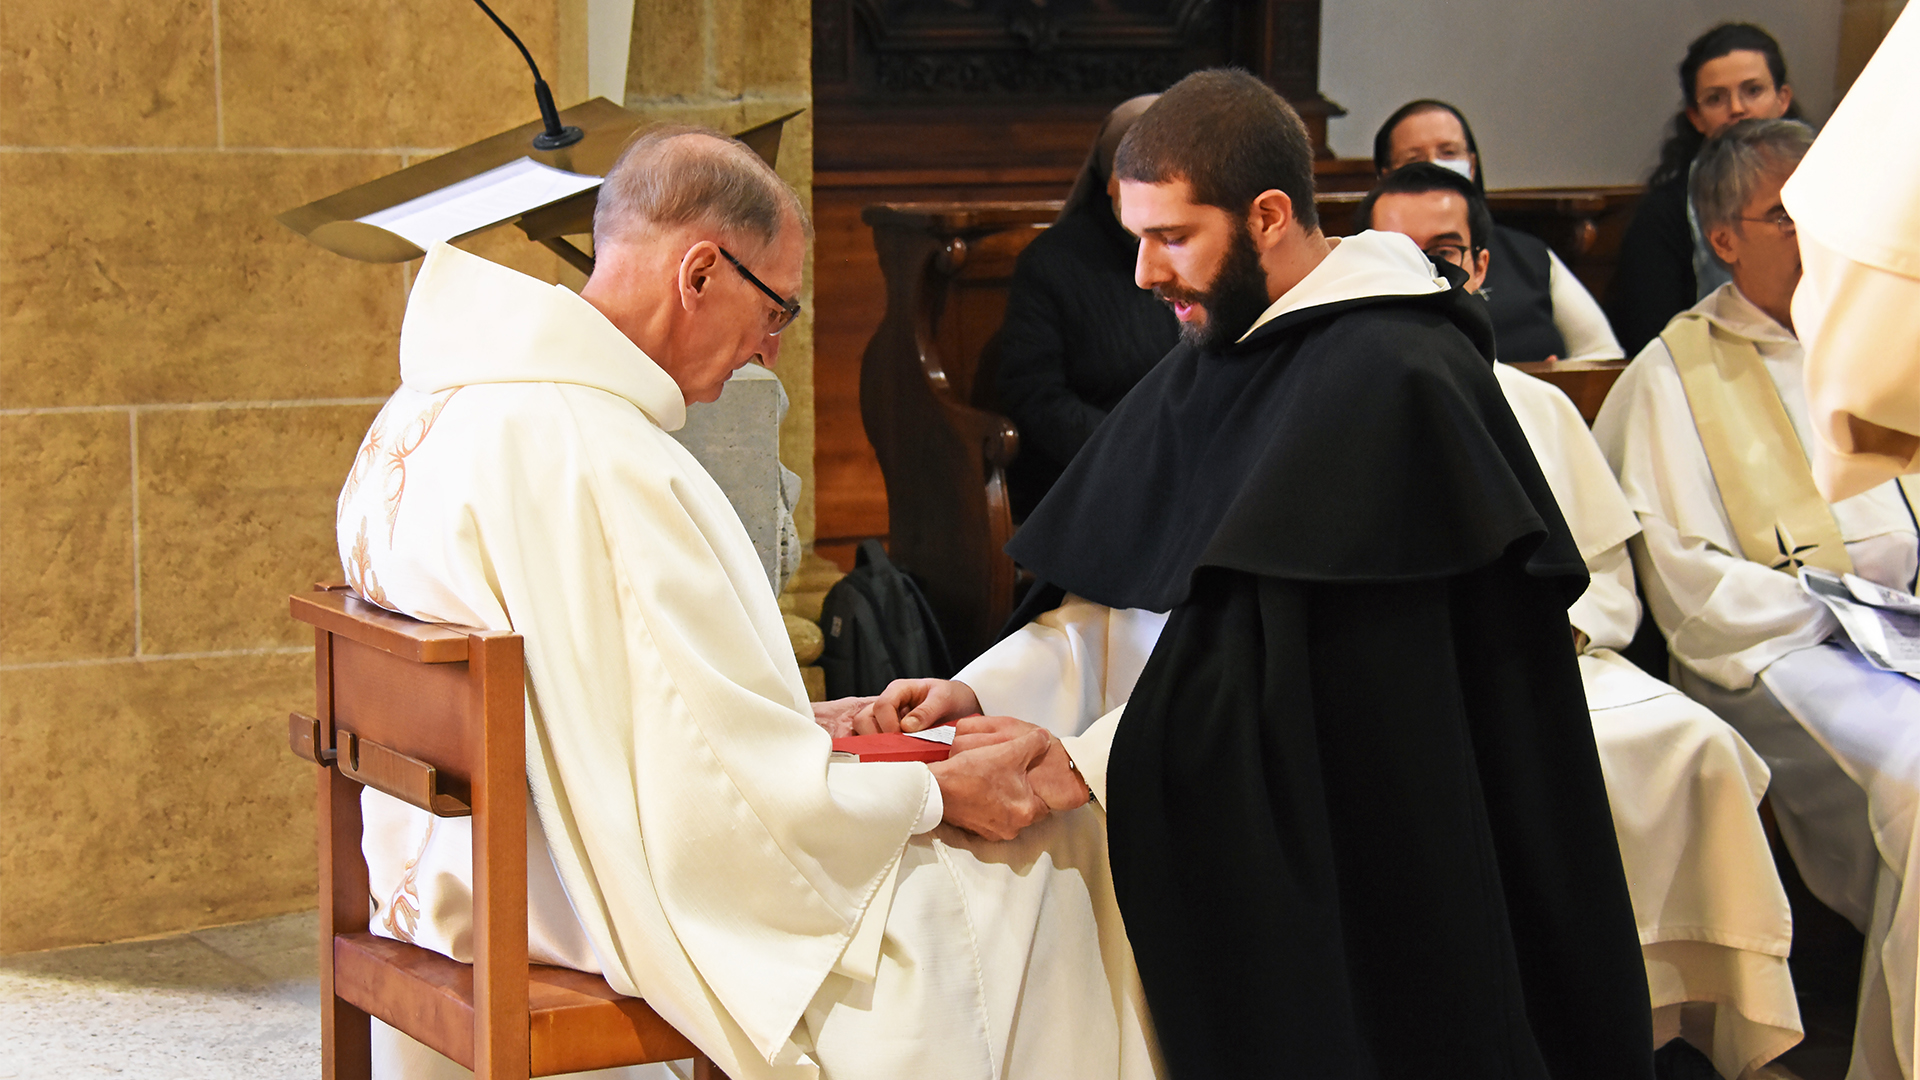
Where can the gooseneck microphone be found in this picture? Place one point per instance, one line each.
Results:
(555, 136)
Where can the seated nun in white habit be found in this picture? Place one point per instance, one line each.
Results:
(1708, 432)
(1714, 924)
(689, 837)
(1856, 202)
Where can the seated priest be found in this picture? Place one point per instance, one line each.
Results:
(1684, 787)
(1540, 310)
(689, 837)
(1304, 598)
(1708, 432)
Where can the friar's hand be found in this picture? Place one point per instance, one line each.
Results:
(1052, 777)
(986, 790)
(916, 705)
(836, 716)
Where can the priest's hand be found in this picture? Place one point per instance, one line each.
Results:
(1052, 777)
(836, 717)
(986, 790)
(916, 705)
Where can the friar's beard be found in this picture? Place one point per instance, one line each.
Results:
(1235, 297)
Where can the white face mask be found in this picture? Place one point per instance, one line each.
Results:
(1463, 166)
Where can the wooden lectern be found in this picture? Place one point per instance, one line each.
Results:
(333, 222)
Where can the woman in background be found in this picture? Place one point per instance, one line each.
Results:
(1540, 310)
(1732, 72)
(1079, 333)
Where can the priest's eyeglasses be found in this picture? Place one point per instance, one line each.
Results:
(1779, 219)
(789, 309)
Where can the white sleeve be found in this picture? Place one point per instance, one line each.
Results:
(933, 810)
(1090, 750)
(1609, 611)
(1724, 617)
(1582, 325)
(1067, 667)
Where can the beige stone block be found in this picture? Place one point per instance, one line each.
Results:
(762, 47)
(66, 526)
(510, 248)
(361, 73)
(144, 278)
(236, 511)
(668, 57)
(145, 798)
(114, 73)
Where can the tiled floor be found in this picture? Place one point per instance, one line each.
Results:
(237, 1001)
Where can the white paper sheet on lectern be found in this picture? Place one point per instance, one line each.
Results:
(479, 201)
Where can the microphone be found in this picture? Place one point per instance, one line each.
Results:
(555, 136)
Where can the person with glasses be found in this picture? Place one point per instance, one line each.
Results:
(1733, 72)
(1714, 933)
(1709, 432)
(692, 837)
(1540, 310)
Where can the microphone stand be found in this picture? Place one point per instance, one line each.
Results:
(555, 136)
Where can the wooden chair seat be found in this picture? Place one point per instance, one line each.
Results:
(577, 1021)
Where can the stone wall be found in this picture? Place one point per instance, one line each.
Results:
(731, 64)
(183, 383)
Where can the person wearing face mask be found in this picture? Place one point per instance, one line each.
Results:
(1732, 72)
(1078, 333)
(1540, 310)
(1708, 430)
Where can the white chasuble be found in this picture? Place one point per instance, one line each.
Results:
(1840, 737)
(1857, 207)
(793, 917)
(1715, 927)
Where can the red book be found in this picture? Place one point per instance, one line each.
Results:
(896, 747)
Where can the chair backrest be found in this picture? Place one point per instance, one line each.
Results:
(923, 397)
(434, 716)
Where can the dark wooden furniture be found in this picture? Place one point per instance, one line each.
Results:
(944, 457)
(436, 716)
(985, 101)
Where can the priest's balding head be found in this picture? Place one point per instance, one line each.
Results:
(699, 248)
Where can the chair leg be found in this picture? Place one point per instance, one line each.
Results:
(705, 1069)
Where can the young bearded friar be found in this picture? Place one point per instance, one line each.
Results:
(1303, 601)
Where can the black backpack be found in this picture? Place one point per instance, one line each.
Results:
(878, 628)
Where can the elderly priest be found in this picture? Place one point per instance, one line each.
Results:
(1304, 596)
(1709, 432)
(691, 838)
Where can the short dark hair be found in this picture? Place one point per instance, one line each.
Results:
(1420, 177)
(1683, 139)
(1383, 139)
(1230, 136)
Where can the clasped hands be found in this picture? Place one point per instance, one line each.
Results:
(1004, 774)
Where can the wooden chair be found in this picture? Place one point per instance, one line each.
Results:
(436, 716)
